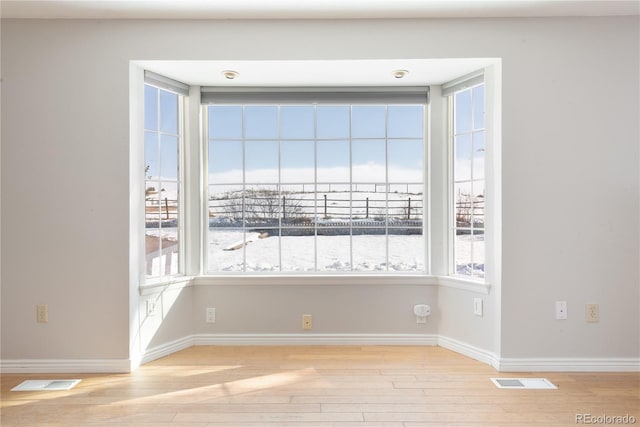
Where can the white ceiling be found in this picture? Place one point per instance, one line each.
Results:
(311, 9)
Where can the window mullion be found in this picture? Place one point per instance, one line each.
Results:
(351, 188)
(244, 190)
(279, 191)
(386, 182)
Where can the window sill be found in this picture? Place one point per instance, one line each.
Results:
(165, 285)
(364, 280)
(464, 284)
(312, 280)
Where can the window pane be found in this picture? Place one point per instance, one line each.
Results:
(368, 121)
(226, 249)
(406, 121)
(262, 206)
(478, 253)
(406, 250)
(168, 112)
(261, 161)
(296, 122)
(462, 252)
(262, 249)
(369, 160)
(462, 166)
(169, 203)
(369, 204)
(153, 210)
(462, 113)
(478, 204)
(333, 122)
(333, 161)
(261, 122)
(463, 209)
(225, 162)
(298, 250)
(225, 206)
(478, 155)
(404, 206)
(151, 157)
(334, 248)
(405, 161)
(478, 107)
(169, 157)
(333, 205)
(169, 256)
(406, 203)
(152, 204)
(152, 253)
(150, 107)
(369, 250)
(225, 122)
(298, 205)
(297, 161)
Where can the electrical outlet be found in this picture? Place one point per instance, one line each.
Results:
(477, 306)
(42, 313)
(592, 312)
(561, 310)
(211, 315)
(307, 322)
(151, 308)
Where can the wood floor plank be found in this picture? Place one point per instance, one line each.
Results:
(328, 386)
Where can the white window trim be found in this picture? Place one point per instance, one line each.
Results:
(167, 278)
(460, 84)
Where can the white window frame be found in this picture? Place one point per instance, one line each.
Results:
(165, 84)
(469, 84)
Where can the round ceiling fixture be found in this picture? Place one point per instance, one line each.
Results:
(398, 74)
(230, 74)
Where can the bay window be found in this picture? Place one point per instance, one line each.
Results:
(303, 181)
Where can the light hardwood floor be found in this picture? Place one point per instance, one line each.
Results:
(376, 386)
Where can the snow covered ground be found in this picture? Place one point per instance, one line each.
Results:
(331, 253)
(230, 249)
(301, 253)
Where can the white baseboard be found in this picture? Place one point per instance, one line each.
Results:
(468, 350)
(315, 339)
(22, 366)
(163, 350)
(64, 366)
(613, 364)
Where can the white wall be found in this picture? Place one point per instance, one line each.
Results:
(569, 167)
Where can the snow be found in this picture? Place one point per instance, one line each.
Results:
(297, 254)
(406, 252)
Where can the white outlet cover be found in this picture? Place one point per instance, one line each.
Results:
(151, 308)
(477, 306)
(561, 310)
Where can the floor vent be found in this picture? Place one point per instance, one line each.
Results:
(46, 385)
(523, 383)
